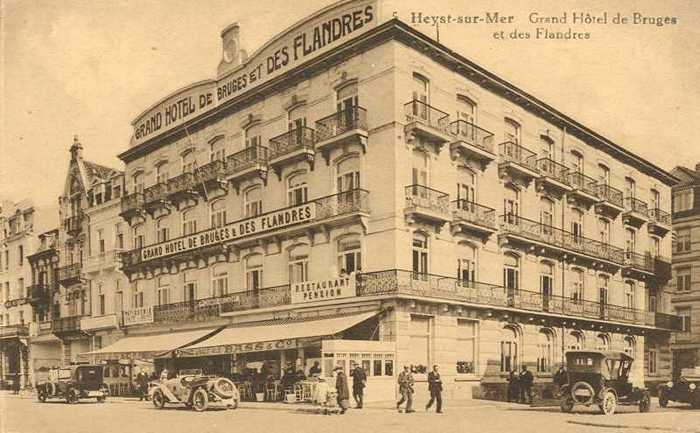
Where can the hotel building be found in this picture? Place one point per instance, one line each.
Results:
(354, 192)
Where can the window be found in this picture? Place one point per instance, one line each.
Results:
(652, 303)
(349, 254)
(602, 342)
(254, 272)
(163, 291)
(603, 281)
(547, 147)
(420, 253)
(217, 150)
(466, 111)
(512, 132)
(253, 201)
(419, 169)
(466, 346)
(683, 280)
(511, 207)
(511, 276)
(683, 241)
(189, 163)
(100, 241)
(219, 280)
(252, 136)
(139, 239)
(547, 216)
(162, 230)
(546, 283)
(629, 346)
(629, 294)
(604, 231)
(21, 317)
(20, 255)
(578, 286)
(576, 162)
(575, 341)
(162, 172)
(603, 174)
(466, 264)
(119, 238)
(348, 175)
(655, 246)
(418, 355)
(297, 189)
(544, 351)
(683, 200)
(100, 300)
(116, 191)
(137, 182)
(347, 99)
(630, 241)
(509, 350)
(137, 296)
(299, 264)
(652, 356)
(421, 94)
(685, 315)
(189, 223)
(218, 214)
(577, 225)
(466, 188)
(21, 289)
(655, 199)
(630, 188)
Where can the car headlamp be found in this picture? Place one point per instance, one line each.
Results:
(691, 386)
(669, 384)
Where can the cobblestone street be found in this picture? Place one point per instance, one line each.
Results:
(25, 415)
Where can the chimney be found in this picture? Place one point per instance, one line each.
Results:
(697, 168)
(76, 150)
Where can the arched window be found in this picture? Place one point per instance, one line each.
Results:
(254, 272)
(137, 182)
(546, 215)
(511, 205)
(546, 283)
(630, 346)
(252, 136)
(630, 242)
(629, 295)
(603, 174)
(189, 162)
(162, 172)
(346, 99)
(163, 290)
(466, 188)
(511, 276)
(575, 341)
(348, 177)
(512, 134)
(602, 342)
(630, 188)
(253, 201)
(655, 199)
(466, 263)
(604, 231)
(189, 222)
(420, 253)
(544, 351)
(466, 116)
(577, 162)
(349, 254)
(218, 213)
(217, 149)
(299, 264)
(138, 236)
(421, 89)
(578, 285)
(219, 280)
(162, 230)
(509, 350)
(297, 118)
(297, 189)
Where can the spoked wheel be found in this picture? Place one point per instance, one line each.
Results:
(609, 403)
(200, 400)
(41, 395)
(663, 398)
(72, 396)
(645, 403)
(158, 399)
(566, 404)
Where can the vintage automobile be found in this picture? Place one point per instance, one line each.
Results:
(195, 390)
(73, 383)
(686, 389)
(601, 378)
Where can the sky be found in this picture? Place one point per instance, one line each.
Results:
(89, 67)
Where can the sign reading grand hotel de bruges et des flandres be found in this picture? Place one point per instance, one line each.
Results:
(246, 227)
(299, 44)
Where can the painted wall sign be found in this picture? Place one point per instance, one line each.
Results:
(335, 288)
(138, 316)
(239, 348)
(301, 43)
(229, 232)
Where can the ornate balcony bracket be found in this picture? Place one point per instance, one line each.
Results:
(551, 187)
(607, 209)
(360, 139)
(509, 173)
(256, 173)
(278, 166)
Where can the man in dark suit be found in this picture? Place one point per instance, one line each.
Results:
(435, 388)
(526, 380)
(359, 380)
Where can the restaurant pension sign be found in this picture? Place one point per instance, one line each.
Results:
(323, 290)
(246, 227)
(228, 349)
(303, 42)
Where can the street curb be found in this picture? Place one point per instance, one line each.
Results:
(635, 427)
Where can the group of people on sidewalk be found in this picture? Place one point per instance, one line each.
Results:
(359, 381)
(406, 383)
(520, 386)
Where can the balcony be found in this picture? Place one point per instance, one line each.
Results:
(39, 295)
(132, 207)
(340, 128)
(247, 163)
(515, 229)
(471, 142)
(636, 212)
(554, 177)
(639, 263)
(73, 224)
(155, 199)
(472, 217)
(584, 188)
(292, 146)
(66, 325)
(609, 201)
(14, 331)
(407, 283)
(517, 162)
(668, 321)
(426, 122)
(427, 204)
(210, 180)
(182, 190)
(69, 275)
(103, 261)
(662, 270)
(659, 222)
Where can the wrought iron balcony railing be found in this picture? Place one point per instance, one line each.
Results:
(552, 169)
(301, 138)
(633, 204)
(421, 112)
(182, 183)
(536, 231)
(643, 262)
(341, 122)
(474, 213)
(260, 298)
(515, 153)
(472, 134)
(132, 202)
(212, 171)
(668, 321)
(70, 272)
(610, 194)
(583, 183)
(420, 196)
(249, 157)
(659, 216)
(66, 324)
(155, 193)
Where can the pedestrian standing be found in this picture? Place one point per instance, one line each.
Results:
(560, 379)
(406, 390)
(526, 380)
(513, 386)
(341, 386)
(142, 382)
(435, 388)
(359, 381)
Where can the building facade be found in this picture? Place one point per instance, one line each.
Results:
(685, 286)
(356, 193)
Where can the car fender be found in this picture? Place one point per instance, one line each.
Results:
(168, 394)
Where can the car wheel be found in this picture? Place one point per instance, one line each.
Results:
(234, 405)
(645, 403)
(663, 398)
(224, 388)
(72, 396)
(566, 404)
(158, 399)
(609, 403)
(41, 395)
(200, 400)
(104, 391)
(695, 402)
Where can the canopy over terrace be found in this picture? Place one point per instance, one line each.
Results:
(151, 346)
